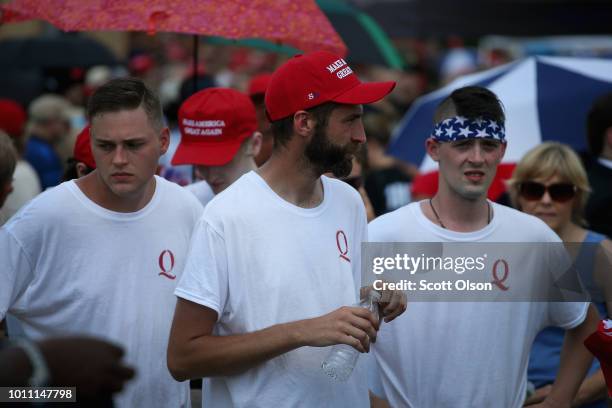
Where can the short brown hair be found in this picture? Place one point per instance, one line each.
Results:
(125, 94)
(282, 129)
(471, 102)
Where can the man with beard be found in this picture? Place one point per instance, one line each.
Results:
(274, 261)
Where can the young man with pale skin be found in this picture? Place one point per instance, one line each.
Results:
(472, 354)
(101, 255)
(219, 137)
(274, 265)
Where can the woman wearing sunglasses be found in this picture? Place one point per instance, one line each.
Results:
(550, 183)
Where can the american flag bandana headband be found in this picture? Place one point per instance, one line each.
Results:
(459, 127)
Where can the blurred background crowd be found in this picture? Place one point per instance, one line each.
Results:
(46, 76)
(549, 61)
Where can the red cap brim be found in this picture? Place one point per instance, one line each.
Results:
(206, 154)
(365, 92)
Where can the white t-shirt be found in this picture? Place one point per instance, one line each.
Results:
(258, 261)
(462, 354)
(70, 266)
(26, 186)
(202, 191)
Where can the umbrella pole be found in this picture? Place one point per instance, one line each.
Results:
(195, 63)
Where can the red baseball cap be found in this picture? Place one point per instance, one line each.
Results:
(12, 117)
(258, 84)
(82, 149)
(213, 123)
(309, 80)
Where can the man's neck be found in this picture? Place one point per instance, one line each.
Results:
(247, 165)
(458, 214)
(97, 191)
(292, 180)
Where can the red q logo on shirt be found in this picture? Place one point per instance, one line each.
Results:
(166, 264)
(342, 244)
(497, 279)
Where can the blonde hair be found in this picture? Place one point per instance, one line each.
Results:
(547, 160)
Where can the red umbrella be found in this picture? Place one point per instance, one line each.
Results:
(300, 24)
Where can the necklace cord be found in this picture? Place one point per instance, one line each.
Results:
(442, 224)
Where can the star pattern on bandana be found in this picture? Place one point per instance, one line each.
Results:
(460, 127)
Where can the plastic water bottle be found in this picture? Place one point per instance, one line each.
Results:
(341, 360)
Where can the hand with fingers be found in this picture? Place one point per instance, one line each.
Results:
(93, 366)
(392, 303)
(352, 325)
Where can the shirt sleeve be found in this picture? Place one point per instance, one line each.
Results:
(563, 278)
(205, 279)
(15, 271)
(568, 315)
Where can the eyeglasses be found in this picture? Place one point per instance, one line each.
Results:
(559, 192)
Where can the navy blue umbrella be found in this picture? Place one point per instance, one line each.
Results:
(545, 98)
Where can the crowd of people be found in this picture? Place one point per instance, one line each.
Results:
(225, 244)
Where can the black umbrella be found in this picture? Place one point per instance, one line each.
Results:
(63, 51)
(367, 42)
(475, 18)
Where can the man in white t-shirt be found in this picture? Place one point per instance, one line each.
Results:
(274, 262)
(219, 137)
(471, 354)
(101, 255)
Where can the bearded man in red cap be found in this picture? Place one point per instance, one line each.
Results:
(275, 260)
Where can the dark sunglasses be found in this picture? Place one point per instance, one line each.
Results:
(355, 181)
(559, 192)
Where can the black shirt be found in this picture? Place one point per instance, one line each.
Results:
(388, 189)
(598, 212)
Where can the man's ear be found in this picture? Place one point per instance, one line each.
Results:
(303, 123)
(165, 139)
(503, 150)
(255, 144)
(81, 169)
(432, 147)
